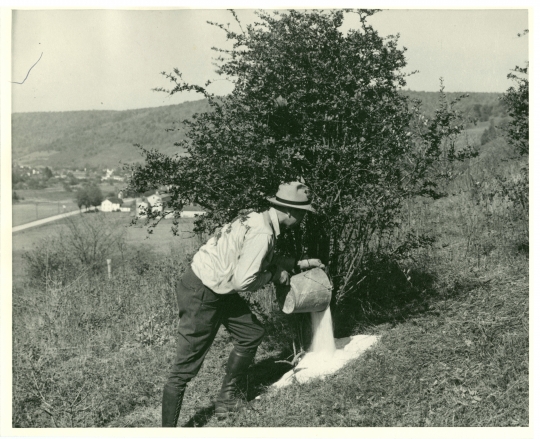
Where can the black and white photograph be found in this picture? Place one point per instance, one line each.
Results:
(267, 218)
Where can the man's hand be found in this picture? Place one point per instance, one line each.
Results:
(306, 264)
(282, 277)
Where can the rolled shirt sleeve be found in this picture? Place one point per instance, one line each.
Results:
(249, 273)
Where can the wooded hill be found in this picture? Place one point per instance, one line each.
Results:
(79, 139)
(104, 139)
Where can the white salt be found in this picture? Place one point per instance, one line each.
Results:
(326, 354)
(322, 340)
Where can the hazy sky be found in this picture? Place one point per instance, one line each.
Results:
(111, 59)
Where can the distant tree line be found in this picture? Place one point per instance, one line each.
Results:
(99, 138)
(24, 178)
(103, 138)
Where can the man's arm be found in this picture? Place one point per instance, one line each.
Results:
(286, 262)
(290, 264)
(248, 274)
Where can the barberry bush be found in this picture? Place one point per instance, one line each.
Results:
(316, 102)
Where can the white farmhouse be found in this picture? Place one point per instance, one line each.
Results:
(111, 204)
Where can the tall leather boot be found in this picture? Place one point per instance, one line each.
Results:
(230, 397)
(170, 408)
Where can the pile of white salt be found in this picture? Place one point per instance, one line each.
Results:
(326, 355)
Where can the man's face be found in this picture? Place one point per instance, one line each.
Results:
(296, 218)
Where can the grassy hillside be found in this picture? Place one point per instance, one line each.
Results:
(105, 138)
(97, 138)
(454, 333)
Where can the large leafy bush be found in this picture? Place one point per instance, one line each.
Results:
(314, 103)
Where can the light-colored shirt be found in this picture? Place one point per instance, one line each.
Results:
(236, 258)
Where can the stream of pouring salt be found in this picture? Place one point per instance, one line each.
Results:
(322, 342)
(326, 355)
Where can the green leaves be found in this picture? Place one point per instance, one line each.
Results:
(310, 102)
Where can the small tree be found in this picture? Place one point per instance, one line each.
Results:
(84, 245)
(90, 195)
(95, 196)
(316, 104)
(47, 173)
(81, 197)
(90, 239)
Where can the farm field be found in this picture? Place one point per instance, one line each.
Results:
(47, 195)
(160, 241)
(37, 204)
(23, 213)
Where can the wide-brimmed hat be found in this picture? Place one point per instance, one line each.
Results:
(294, 194)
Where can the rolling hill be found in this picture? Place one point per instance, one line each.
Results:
(97, 138)
(77, 139)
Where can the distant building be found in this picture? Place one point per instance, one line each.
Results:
(158, 201)
(111, 204)
(140, 207)
(79, 174)
(191, 211)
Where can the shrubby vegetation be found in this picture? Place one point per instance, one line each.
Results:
(489, 133)
(313, 103)
(516, 100)
(84, 245)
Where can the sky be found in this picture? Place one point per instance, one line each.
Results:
(112, 59)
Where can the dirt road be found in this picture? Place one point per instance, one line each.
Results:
(43, 221)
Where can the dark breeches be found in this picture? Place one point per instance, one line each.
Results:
(201, 313)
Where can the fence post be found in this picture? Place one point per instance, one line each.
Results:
(109, 267)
